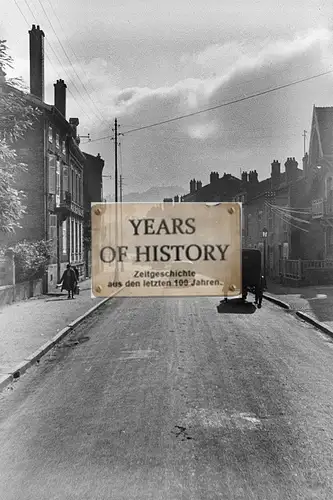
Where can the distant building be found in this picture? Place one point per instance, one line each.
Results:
(92, 192)
(53, 180)
(266, 205)
(219, 189)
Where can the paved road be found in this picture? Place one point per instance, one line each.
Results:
(167, 399)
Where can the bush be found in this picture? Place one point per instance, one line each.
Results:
(31, 259)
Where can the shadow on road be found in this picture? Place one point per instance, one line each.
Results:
(236, 306)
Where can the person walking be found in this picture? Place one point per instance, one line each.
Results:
(69, 281)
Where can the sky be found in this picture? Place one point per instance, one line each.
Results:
(146, 61)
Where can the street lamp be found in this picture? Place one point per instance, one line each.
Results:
(264, 235)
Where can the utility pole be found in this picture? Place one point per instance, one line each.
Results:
(116, 160)
(304, 137)
(121, 214)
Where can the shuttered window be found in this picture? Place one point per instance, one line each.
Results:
(64, 178)
(58, 183)
(52, 174)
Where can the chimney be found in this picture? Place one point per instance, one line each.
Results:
(291, 169)
(199, 185)
(176, 199)
(244, 177)
(37, 62)
(253, 177)
(60, 96)
(74, 122)
(275, 174)
(214, 177)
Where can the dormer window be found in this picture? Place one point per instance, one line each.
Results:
(50, 134)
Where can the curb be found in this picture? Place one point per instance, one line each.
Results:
(278, 302)
(321, 326)
(305, 317)
(21, 368)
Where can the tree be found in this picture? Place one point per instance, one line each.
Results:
(17, 116)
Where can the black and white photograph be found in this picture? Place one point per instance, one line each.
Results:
(166, 250)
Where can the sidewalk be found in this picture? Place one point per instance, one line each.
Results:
(315, 301)
(26, 326)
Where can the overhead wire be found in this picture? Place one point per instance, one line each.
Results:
(53, 51)
(229, 103)
(287, 221)
(55, 54)
(67, 57)
(74, 53)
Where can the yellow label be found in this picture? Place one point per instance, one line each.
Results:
(168, 250)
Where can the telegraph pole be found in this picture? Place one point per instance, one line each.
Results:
(121, 214)
(116, 160)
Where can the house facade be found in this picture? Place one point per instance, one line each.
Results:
(53, 179)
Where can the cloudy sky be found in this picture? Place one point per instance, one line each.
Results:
(146, 61)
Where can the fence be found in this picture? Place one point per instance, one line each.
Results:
(300, 270)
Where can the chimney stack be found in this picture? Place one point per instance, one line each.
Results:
(37, 62)
(60, 96)
(214, 177)
(291, 169)
(275, 173)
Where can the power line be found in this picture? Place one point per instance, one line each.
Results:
(61, 45)
(49, 44)
(235, 101)
(33, 16)
(71, 47)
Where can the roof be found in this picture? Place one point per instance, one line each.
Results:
(324, 119)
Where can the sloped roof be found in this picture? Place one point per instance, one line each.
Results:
(325, 125)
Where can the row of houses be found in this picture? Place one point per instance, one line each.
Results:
(60, 181)
(289, 215)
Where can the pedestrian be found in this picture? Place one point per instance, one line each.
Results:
(69, 281)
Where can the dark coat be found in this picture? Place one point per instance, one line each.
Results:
(68, 279)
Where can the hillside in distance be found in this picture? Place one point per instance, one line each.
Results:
(152, 195)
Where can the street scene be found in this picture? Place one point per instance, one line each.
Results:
(166, 250)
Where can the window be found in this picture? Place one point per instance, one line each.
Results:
(58, 184)
(52, 174)
(50, 134)
(72, 237)
(76, 238)
(57, 141)
(63, 146)
(64, 237)
(64, 179)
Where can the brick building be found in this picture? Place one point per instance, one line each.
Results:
(53, 180)
(92, 192)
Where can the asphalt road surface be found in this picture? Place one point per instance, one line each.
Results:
(168, 399)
